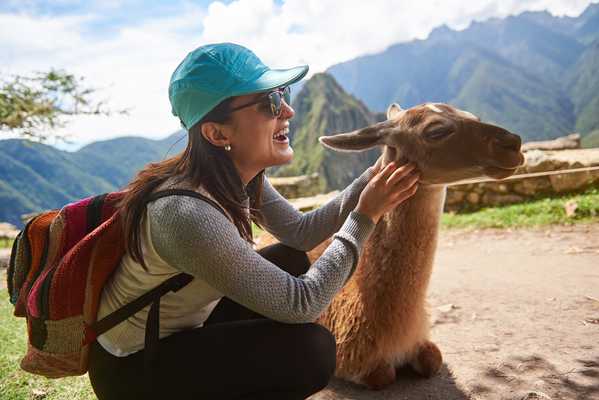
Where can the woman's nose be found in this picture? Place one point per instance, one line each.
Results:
(286, 111)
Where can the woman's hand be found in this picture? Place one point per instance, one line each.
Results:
(389, 187)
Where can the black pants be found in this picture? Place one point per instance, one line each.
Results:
(237, 354)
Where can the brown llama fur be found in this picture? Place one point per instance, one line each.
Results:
(379, 318)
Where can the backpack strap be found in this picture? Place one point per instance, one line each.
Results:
(173, 284)
(94, 212)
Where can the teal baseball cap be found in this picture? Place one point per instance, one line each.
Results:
(214, 72)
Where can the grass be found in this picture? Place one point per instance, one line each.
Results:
(16, 384)
(547, 211)
(256, 231)
(6, 243)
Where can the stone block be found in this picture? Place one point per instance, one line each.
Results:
(454, 196)
(532, 186)
(570, 182)
(498, 187)
(538, 161)
(294, 187)
(495, 199)
(473, 198)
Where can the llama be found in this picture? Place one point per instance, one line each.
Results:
(379, 318)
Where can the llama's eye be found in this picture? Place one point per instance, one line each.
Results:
(438, 133)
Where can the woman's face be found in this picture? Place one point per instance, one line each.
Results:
(258, 139)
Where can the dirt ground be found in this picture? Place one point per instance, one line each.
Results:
(516, 315)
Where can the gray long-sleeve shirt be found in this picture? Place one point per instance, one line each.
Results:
(186, 234)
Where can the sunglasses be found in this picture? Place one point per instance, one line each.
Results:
(273, 102)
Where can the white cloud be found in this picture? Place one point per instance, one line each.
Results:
(131, 68)
(133, 63)
(325, 32)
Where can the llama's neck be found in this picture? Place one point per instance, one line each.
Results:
(397, 260)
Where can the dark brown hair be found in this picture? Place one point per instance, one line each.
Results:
(201, 163)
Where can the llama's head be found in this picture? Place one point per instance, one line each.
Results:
(446, 144)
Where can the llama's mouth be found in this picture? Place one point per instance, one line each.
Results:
(514, 161)
(498, 172)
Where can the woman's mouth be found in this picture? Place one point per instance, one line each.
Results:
(281, 136)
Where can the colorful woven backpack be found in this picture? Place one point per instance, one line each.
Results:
(58, 266)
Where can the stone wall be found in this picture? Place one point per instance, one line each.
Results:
(303, 191)
(519, 190)
(293, 187)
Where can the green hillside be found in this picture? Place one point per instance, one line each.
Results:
(591, 140)
(501, 93)
(324, 108)
(36, 177)
(583, 86)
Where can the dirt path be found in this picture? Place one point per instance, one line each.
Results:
(516, 315)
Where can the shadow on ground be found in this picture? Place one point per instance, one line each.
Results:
(519, 374)
(409, 385)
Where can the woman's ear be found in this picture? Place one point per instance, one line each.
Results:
(213, 133)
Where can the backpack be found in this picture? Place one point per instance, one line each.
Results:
(58, 266)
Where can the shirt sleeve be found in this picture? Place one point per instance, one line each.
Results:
(196, 238)
(304, 231)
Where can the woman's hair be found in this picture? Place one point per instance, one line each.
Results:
(201, 163)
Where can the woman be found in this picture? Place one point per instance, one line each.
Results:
(242, 329)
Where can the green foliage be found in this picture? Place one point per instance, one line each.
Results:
(323, 108)
(16, 384)
(31, 104)
(591, 140)
(36, 177)
(533, 213)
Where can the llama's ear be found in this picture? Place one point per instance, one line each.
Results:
(361, 139)
(393, 110)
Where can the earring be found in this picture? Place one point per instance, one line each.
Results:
(228, 147)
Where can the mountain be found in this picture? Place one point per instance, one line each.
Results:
(584, 28)
(583, 86)
(531, 73)
(36, 177)
(323, 108)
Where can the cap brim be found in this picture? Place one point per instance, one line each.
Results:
(274, 78)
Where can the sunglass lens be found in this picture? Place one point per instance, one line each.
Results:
(275, 103)
(275, 100)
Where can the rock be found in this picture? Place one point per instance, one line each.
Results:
(8, 231)
(571, 181)
(571, 141)
(310, 203)
(532, 186)
(473, 198)
(570, 208)
(4, 258)
(454, 196)
(495, 199)
(296, 186)
(537, 161)
(499, 187)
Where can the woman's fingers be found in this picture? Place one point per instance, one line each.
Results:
(383, 175)
(404, 195)
(400, 173)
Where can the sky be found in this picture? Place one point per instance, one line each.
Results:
(127, 49)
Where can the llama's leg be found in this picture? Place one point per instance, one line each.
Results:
(428, 359)
(383, 375)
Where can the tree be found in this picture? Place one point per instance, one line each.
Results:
(29, 105)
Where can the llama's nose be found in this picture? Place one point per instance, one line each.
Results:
(507, 140)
